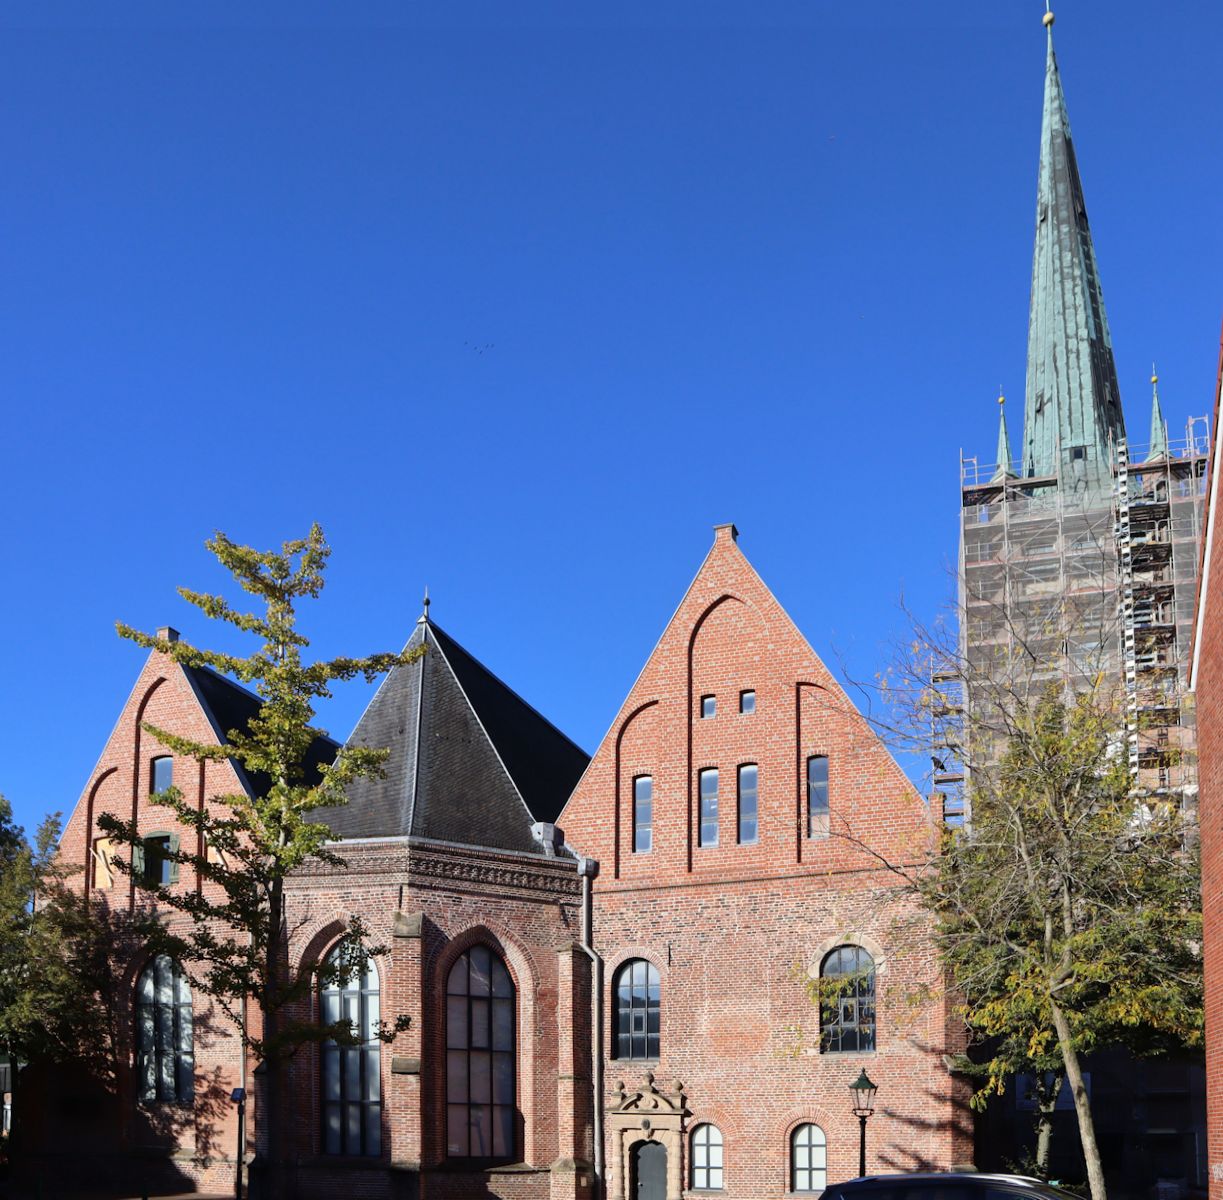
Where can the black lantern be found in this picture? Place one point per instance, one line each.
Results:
(864, 1095)
(863, 1092)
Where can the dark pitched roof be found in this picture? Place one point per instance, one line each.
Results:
(229, 707)
(470, 762)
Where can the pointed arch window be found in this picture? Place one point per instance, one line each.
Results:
(165, 1056)
(847, 1001)
(481, 1057)
(351, 1075)
(636, 1010)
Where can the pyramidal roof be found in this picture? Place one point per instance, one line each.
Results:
(470, 761)
(1072, 407)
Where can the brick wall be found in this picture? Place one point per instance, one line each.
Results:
(734, 929)
(1208, 681)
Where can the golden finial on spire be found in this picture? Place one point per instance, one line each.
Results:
(1154, 376)
(1047, 19)
(1001, 397)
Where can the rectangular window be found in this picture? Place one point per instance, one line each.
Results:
(747, 804)
(708, 835)
(747, 702)
(709, 706)
(817, 796)
(643, 814)
(157, 867)
(161, 774)
(103, 871)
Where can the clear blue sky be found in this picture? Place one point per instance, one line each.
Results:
(766, 263)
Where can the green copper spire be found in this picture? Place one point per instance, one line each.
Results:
(1072, 407)
(1159, 431)
(1003, 458)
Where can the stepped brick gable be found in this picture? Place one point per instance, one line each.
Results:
(733, 917)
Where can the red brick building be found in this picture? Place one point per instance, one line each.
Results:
(1207, 682)
(622, 1009)
(726, 806)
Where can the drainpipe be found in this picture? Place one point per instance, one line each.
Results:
(588, 868)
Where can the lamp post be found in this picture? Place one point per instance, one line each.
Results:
(238, 1096)
(863, 1092)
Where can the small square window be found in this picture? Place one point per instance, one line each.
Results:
(747, 702)
(709, 706)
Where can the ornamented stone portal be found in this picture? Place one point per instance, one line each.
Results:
(645, 1131)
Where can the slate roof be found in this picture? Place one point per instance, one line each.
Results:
(471, 762)
(229, 707)
(1072, 395)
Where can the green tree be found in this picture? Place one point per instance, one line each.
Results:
(1065, 900)
(1067, 908)
(235, 941)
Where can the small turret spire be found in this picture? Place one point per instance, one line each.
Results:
(424, 616)
(1003, 458)
(1159, 429)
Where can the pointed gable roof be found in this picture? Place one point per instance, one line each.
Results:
(471, 762)
(729, 633)
(1072, 398)
(229, 707)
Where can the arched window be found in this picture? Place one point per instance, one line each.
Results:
(165, 1061)
(707, 1157)
(808, 1159)
(480, 1057)
(635, 1004)
(847, 1000)
(351, 1075)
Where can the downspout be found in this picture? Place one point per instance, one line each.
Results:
(588, 868)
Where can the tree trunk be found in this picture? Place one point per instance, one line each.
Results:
(273, 1061)
(1047, 1089)
(1082, 1106)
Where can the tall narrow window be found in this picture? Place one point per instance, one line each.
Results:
(352, 1074)
(161, 773)
(636, 1009)
(747, 702)
(817, 796)
(707, 1157)
(708, 834)
(165, 1059)
(643, 814)
(847, 1000)
(103, 868)
(808, 1159)
(709, 706)
(747, 804)
(480, 1057)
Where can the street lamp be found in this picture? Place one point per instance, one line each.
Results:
(238, 1096)
(863, 1092)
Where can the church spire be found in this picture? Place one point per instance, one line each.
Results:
(1072, 407)
(1159, 431)
(1003, 457)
